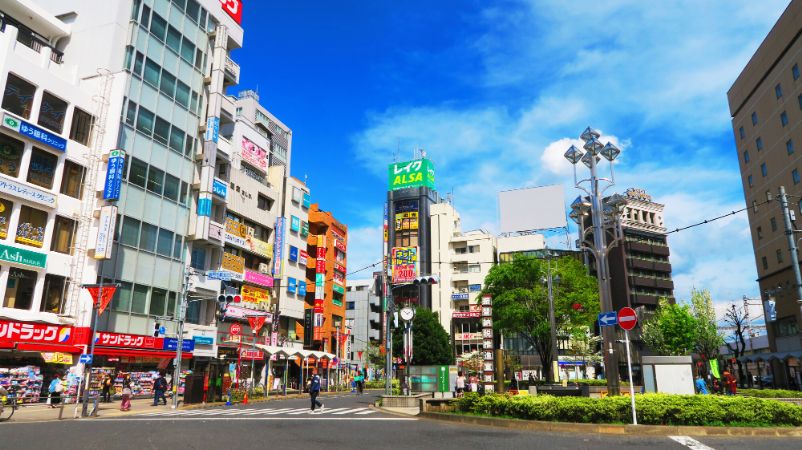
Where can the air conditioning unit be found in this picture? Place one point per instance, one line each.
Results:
(264, 268)
(249, 231)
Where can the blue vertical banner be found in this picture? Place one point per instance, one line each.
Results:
(114, 175)
(278, 251)
(205, 204)
(307, 201)
(212, 129)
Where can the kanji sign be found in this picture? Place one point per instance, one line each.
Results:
(108, 293)
(128, 340)
(256, 323)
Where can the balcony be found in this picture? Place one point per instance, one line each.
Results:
(639, 280)
(231, 71)
(638, 246)
(374, 335)
(375, 302)
(664, 283)
(643, 299)
(31, 39)
(662, 266)
(375, 317)
(660, 250)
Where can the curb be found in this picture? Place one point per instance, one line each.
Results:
(628, 430)
(258, 400)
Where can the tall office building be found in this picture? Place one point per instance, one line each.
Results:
(766, 107)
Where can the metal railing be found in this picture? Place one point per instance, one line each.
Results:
(255, 176)
(29, 39)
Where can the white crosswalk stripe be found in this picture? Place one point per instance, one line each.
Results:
(328, 411)
(349, 411)
(257, 412)
(366, 412)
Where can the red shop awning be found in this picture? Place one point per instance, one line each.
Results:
(50, 348)
(148, 353)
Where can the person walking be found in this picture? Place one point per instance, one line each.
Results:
(314, 391)
(701, 386)
(730, 384)
(107, 383)
(159, 387)
(360, 382)
(56, 388)
(531, 380)
(127, 392)
(460, 384)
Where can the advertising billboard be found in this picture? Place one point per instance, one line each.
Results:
(253, 154)
(417, 173)
(405, 264)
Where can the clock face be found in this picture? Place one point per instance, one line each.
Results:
(407, 314)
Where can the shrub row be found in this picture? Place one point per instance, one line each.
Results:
(379, 384)
(524, 384)
(770, 393)
(652, 409)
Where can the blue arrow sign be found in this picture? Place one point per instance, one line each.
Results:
(608, 319)
(85, 359)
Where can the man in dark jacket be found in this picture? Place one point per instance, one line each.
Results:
(314, 391)
(159, 388)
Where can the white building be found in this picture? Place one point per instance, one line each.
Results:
(294, 286)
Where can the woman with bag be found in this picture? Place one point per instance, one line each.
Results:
(127, 392)
(57, 389)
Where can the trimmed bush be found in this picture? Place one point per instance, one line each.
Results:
(524, 384)
(652, 409)
(379, 384)
(770, 393)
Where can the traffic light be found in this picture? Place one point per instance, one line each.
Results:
(378, 284)
(156, 327)
(431, 279)
(223, 298)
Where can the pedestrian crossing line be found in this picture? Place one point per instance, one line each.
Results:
(327, 411)
(301, 411)
(264, 411)
(693, 444)
(366, 412)
(349, 411)
(290, 411)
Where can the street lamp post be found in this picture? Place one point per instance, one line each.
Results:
(605, 218)
(553, 284)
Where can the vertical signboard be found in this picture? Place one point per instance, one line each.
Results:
(320, 283)
(114, 175)
(212, 129)
(278, 251)
(487, 335)
(105, 232)
(308, 327)
(204, 204)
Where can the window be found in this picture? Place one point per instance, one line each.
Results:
(174, 39)
(158, 302)
(130, 232)
(763, 169)
(187, 50)
(5, 216)
(741, 132)
(765, 263)
(54, 294)
(130, 113)
(183, 197)
(158, 27)
(746, 156)
(754, 205)
(795, 71)
(171, 304)
(138, 62)
(198, 258)
(18, 96)
(795, 174)
(155, 180)
(198, 58)
(460, 250)
(749, 178)
(193, 9)
(165, 245)
(19, 289)
(42, 168)
(63, 233)
(779, 256)
(147, 237)
(11, 149)
(72, 181)
(161, 132)
(182, 94)
(773, 224)
(168, 84)
(351, 305)
(194, 106)
(264, 203)
(784, 118)
(759, 144)
(474, 268)
(144, 121)
(778, 90)
(31, 228)
(52, 112)
(139, 302)
(145, 21)
(759, 233)
(177, 248)
(152, 73)
(790, 146)
(754, 118)
(171, 187)
(786, 326)
(189, 145)
(138, 173)
(80, 130)
(177, 139)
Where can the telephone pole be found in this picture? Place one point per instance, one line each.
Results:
(792, 248)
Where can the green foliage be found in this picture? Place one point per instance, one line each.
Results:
(770, 393)
(524, 384)
(374, 354)
(652, 409)
(430, 341)
(708, 337)
(672, 330)
(379, 384)
(521, 304)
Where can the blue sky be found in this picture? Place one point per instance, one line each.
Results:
(495, 91)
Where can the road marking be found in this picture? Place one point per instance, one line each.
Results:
(351, 411)
(291, 410)
(312, 417)
(327, 411)
(301, 411)
(690, 443)
(366, 412)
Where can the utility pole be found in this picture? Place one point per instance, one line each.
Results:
(180, 347)
(88, 368)
(789, 232)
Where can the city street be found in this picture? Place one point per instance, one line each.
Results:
(346, 422)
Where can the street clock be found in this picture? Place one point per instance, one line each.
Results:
(407, 314)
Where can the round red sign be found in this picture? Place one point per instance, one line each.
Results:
(627, 318)
(234, 329)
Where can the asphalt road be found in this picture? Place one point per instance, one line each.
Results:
(347, 422)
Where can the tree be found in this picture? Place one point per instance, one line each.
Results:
(708, 337)
(672, 330)
(521, 304)
(736, 318)
(374, 354)
(586, 349)
(431, 345)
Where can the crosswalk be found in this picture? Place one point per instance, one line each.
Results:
(262, 412)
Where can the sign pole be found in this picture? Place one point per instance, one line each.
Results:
(180, 347)
(88, 367)
(631, 381)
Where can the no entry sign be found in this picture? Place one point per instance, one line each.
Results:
(627, 318)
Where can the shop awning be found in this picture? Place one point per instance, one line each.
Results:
(780, 356)
(147, 353)
(271, 350)
(51, 348)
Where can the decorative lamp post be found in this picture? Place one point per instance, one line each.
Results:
(552, 283)
(604, 230)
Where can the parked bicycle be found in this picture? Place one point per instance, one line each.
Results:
(6, 408)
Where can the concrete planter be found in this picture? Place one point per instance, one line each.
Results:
(403, 401)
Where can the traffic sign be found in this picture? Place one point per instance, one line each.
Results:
(607, 319)
(235, 329)
(627, 318)
(85, 359)
(162, 330)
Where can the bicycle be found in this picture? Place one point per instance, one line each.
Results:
(5, 408)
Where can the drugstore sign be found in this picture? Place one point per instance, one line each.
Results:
(234, 9)
(34, 332)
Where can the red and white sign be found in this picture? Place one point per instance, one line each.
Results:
(253, 154)
(256, 323)
(235, 329)
(34, 332)
(339, 267)
(248, 353)
(128, 340)
(241, 313)
(321, 253)
(339, 245)
(627, 318)
(465, 315)
(234, 9)
(108, 292)
(302, 257)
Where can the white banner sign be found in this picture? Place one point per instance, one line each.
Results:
(32, 194)
(236, 240)
(105, 232)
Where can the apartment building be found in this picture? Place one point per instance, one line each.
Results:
(363, 315)
(766, 108)
(295, 259)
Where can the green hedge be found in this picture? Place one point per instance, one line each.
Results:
(379, 384)
(652, 409)
(522, 385)
(770, 393)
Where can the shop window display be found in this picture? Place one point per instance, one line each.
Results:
(5, 216)
(24, 384)
(52, 112)
(31, 228)
(42, 168)
(19, 289)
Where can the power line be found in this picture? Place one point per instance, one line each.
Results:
(719, 217)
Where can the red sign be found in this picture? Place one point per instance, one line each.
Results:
(235, 329)
(34, 332)
(339, 245)
(206, 383)
(248, 353)
(256, 323)
(320, 266)
(234, 9)
(128, 340)
(360, 354)
(108, 292)
(627, 318)
(464, 315)
(339, 267)
(321, 253)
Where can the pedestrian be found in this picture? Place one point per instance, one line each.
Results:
(531, 380)
(514, 383)
(314, 391)
(127, 392)
(360, 383)
(460, 384)
(716, 386)
(56, 388)
(749, 378)
(730, 383)
(107, 384)
(701, 386)
(159, 387)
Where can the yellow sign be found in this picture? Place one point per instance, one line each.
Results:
(254, 295)
(57, 358)
(261, 248)
(235, 228)
(233, 263)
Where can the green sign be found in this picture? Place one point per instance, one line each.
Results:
(304, 229)
(20, 256)
(336, 302)
(339, 289)
(418, 173)
(442, 379)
